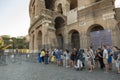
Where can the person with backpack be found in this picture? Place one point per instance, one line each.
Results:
(80, 59)
(91, 56)
(100, 55)
(109, 57)
(39, 58)
(42, 55)
(105, 58)
(58, 53)
(116, 57)
(46, 57)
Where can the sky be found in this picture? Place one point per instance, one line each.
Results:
(14, 17)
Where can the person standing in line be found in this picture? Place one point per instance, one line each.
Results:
(42, 55)
(105, 58)
(67, 58)
(96, 58)
(58, 52)
(109, 57)
(90, 59)
(39, 58)
(116, 57)
(72, 58)
(80, 60)
(75, 56)
(100, 55)
(46, 57)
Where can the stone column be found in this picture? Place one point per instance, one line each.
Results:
(115, 38)
(66, 39)
(35, 43)
(31, 46)
(30, 43)
(113, 34)
(52, 39)
(83, 40)
(46, 34)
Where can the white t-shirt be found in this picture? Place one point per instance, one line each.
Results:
(92, 53)
(105, 54)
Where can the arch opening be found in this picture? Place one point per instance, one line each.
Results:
(96, 28)
(99, 36)
(59, 22)
(59, 8)
(73, 4)
(49, 4)
(75, 39)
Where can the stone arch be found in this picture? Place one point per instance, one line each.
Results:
(59, 22)
(94, 27)
(60, 41)
(97, 0)
(73, 4)
(74, 39)
(99, 36)
(59, 8)
(49, 4)
(39, 40)
(59, 15)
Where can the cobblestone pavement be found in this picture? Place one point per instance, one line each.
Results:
(38, 71)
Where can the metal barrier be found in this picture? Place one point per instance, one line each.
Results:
(8, 58)
(32, 57)
(3, 59)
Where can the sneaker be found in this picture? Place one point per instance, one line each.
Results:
(90, 71)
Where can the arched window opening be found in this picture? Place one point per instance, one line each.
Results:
(59, 8)
(59, 22)
(73, 4)
(99, 36)
(75, 41)
(49, 4)
(97, 28)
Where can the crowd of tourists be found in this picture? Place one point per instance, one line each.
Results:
(77, 58)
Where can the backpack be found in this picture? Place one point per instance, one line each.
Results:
(115, 55)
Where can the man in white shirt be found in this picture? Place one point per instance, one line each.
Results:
(105, 57)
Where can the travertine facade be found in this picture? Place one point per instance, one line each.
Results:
(73, 23)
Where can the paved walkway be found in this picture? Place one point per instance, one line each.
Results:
(38, 71)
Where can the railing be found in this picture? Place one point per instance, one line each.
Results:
(17, 58)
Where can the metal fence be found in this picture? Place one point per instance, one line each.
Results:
(8, 58)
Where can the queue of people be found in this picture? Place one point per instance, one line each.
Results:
(76, 58)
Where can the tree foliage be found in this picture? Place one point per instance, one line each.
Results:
(19, 42)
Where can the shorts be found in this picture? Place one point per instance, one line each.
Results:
(109, 59)
(58, 59)
(117, 64)
(105, 61)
